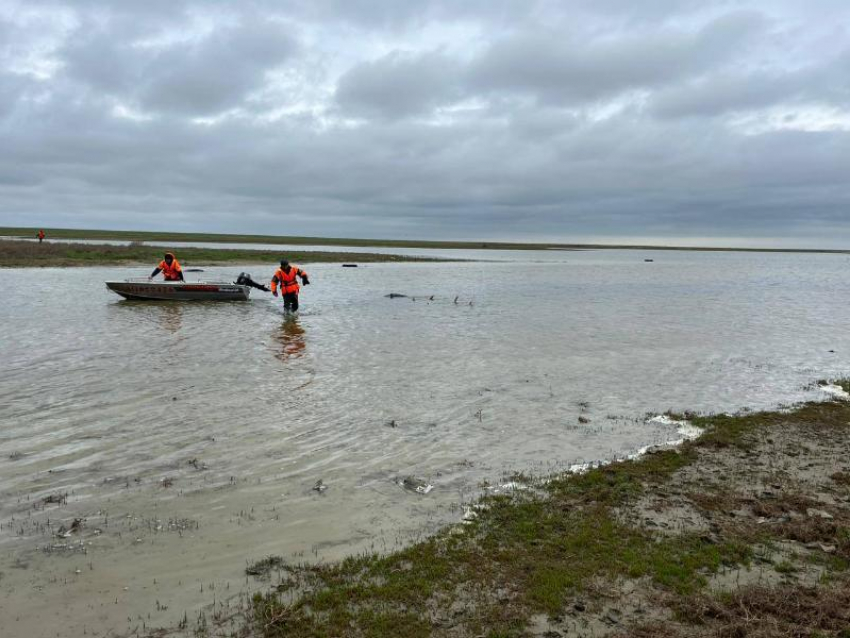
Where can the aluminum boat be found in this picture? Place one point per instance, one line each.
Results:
(180, 290)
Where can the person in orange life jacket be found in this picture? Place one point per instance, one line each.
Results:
(285, 277)
(40, 236)
(170, 268)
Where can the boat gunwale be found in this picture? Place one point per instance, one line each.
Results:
(180, 290)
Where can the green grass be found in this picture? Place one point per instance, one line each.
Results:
(64, 233)
(22, 254)
(539, 547)
(534, 551)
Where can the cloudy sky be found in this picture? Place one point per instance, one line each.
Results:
(589, 120)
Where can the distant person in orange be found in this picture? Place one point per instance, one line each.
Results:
(170, 268)
(40, 236)
(286, 278)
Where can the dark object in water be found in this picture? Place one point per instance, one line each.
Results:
(349, 265)
(415, 485)
(198, 465)
(244, 279)
(649, 260)
(395, 295)
(264, 566)
(193, 270)
(75, 528)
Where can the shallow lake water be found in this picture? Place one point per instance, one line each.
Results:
(188, 437)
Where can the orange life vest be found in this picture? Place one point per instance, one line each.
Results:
(41, 234)
(288, 282)
(172, 272)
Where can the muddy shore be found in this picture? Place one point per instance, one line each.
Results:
(743, 531)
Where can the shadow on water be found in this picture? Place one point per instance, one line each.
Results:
(289, 339)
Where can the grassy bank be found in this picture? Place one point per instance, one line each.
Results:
(63, 233)
(22, 254)
(742, 532)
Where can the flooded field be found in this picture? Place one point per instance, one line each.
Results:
(149, 452)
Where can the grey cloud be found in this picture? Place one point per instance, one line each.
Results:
(558, 68)
(645, 11)
(398, 85)
(717, 95)
(195, 77)
(543, 146)
(827, 84)
(543, 64)
(12, 88)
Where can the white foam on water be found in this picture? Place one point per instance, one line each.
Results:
(685, 431)
(508, 487)
(835, 390)
(581, 468)
(665, 419)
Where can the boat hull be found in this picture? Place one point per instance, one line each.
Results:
(180, 290)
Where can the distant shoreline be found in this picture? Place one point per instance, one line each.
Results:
(28, 254)
(142, 236)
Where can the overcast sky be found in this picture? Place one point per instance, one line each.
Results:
(600, 120)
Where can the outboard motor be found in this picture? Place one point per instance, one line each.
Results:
(244, 279)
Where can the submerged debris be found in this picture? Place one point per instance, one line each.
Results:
(320, 486)
(198, 465)
(414, 484)
(75, 528)
(264, 566)
(55, 499)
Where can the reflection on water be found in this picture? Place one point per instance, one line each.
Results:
(289, 338)
(169, 316)
(243, 409)
(166, 315)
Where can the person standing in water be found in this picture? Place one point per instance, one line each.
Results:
(170, 268)
(286, 278)
(40, 235)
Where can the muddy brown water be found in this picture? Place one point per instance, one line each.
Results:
(188, 437)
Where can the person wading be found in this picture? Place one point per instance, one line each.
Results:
(170, 268)
(40, 236)
(286, 277)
